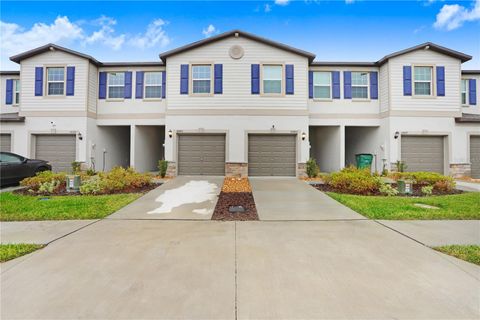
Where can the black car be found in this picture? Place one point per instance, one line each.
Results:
(14, 168)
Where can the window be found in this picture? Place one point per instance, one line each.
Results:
(423, 81)
(272, 79)
(201, 78)
(116, 85)
(153, 85)
(464, 91)
(55, 81)
(322, 85)
(10, 158)
(359, 85)
(16, 92)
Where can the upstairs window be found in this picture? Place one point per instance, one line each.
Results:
(423, 81)
(463, 91)
(116, 85)
(16, 92)
(322, 85)
(272, 79)
(56, 81)
(201, 78)
(359, 85)
(153, 85)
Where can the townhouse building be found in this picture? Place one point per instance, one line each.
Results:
(239, 104)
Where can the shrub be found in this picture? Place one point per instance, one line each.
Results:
(427, 190)
(162, 167)
(91, 185)
(446, 185)
(401, 166)
(423, 178)
(44, 178)
(119, 179)
(76, 167)
(353, 180)
(388, 190)
(49, 186)
(312, 168)
(91, 172)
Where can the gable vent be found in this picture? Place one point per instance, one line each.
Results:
(236, 52)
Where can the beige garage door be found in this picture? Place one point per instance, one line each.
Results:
(423, 153)
(475, 156)
(5, 142)
(201, 154)
(271, 155)
(59, 150)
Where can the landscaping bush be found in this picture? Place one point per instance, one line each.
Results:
(76, 167)
(162, 168)
(421, 178)
(45, 181)
(312, 168)
(353, 180)
(91, 185)
(121, 179)
(388, 190)
(427, 190)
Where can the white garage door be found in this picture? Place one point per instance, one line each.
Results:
(57, 149)
(5, 142)
(423, 153)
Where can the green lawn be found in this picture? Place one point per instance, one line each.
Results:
(26, 208)
(12, 251)
(464, 206)
(469, 253)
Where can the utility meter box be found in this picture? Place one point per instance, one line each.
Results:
(73, 183)
(405, 186)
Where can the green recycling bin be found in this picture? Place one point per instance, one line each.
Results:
(364, 160)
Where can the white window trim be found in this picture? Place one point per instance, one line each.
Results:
(190, 90)
(15, 102)
(432, 81)
(467, 102)
(145, 85)
(114, 85)
(330, 98)
(282, 79)
(47, 81)
(361, 86)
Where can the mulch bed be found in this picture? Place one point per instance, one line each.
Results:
(417, 191)
(63, 192)
(227, 199)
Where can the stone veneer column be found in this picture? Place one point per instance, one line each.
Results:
(302, 170)
(171, 169)
(236, 169)
(458, 170)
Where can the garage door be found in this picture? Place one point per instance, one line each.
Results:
(272, 155)
(201, 154)
(423, 153)
(59, 150)
(475, 156)
(5, 142)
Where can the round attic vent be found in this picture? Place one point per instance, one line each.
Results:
(236, 52)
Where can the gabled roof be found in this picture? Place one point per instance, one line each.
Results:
(236, 33)
(428, 46)
(51, 47)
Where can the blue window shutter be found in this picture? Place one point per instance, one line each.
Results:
(255, 79)
(441, 81)
(184, 79)
(9, 92)
(218, 76)
(347, 84)
(472, 92)
(139, 85)
(336, 84)
(102, 85)
(128, 85)
(310, 84)
(164, 84)
(38, 81)
(70, 81)
(407, 80)
(289, 79)
(374, 85)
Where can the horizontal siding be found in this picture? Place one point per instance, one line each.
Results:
(451, 100)
(237, 76)
(383, 87)
(3, 87)
(92, 88)
(475, 109)
(65, 103)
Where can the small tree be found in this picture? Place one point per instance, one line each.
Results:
(312, 168)
(401, 166)
(162, 167)
(76, 167)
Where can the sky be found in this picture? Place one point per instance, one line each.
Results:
(342, 30)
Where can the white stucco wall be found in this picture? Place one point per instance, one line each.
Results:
(147, 147)
(115, 141)
(326, 146)
(364, 140)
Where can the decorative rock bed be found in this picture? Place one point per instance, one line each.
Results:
(235, 202)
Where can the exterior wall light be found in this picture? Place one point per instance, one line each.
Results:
(397, 134)
(304, 135)
(170, 133)
(80, 137)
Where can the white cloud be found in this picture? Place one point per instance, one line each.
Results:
(154, 35)
(267, 8)
(349, 1)
(209, 31)
(282, 2)
(106, 34)
(453, 16)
